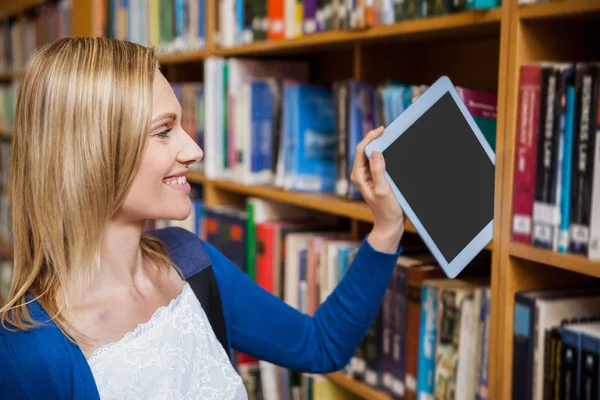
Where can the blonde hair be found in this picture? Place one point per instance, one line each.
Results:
(81, 126)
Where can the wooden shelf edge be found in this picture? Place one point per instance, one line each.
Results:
(357, 388)
(558, 8)
(183, 57)
(568, 262)
(5, 134)
(11, 8)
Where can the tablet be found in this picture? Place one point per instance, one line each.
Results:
(442, 171)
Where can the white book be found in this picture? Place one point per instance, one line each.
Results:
(594, 239)
(213, 99)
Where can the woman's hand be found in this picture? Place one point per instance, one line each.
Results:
(368, 176)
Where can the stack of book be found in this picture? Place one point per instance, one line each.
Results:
(556, 193)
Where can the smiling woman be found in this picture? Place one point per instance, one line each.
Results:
(99, 308)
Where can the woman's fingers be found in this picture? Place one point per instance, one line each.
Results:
(360, 160)
(377, 166)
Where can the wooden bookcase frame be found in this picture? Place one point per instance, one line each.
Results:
(555, 30)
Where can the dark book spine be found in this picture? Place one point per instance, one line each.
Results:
(545, 190)
(399, 336)
(590, 371)
(587, 81)
(568, 372)
(341, 118)
(552, 348)
(372, 353)
(524, 317)
(389, 310)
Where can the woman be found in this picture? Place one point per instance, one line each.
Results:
(96, 309)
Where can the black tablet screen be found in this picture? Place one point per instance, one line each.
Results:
(445, 176)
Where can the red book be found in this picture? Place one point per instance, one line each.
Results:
(276, 19)
(265, 257)
(526, 153)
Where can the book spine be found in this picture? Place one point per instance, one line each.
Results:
(399, 337)
(546, 166)
(341, 107)
(552, 360)
(389, 310)
(594, 243)
(525, 154)
(570, 362)
(587, 77)
(373, 353)
(482, 391)
(413, 315)
(589, 367)
(427, 341)
(524, 314)
(565, 206)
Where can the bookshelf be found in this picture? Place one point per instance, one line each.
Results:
(480, 49)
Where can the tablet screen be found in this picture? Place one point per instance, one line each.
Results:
(445, 175)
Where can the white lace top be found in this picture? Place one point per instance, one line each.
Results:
(173, 356)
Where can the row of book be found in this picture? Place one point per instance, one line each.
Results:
(430, 335)
(172, 25)
(556, 200)
(21, 35)
(241, 22)
(265, 123)
(556, 344)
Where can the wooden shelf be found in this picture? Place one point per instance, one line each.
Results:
(5, 135)
(469, 22)
(559, 9)
(13, 7)
(357, 388)
(569, 262)
(10, 76)
(315, 201)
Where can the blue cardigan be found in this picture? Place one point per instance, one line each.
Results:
(43, 364)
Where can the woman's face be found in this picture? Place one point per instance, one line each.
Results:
(159, 190)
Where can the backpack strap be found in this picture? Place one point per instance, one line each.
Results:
(195, 266)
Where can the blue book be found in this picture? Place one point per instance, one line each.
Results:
(565, 204)
(590, 361)
(427, 341)
(361, 121)
(313, 139)
(202, 23)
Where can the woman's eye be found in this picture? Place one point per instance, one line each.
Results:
(164, 134)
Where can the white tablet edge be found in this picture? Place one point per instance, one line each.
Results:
(399, 126)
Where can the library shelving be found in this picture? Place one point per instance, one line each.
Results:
(482, 49)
